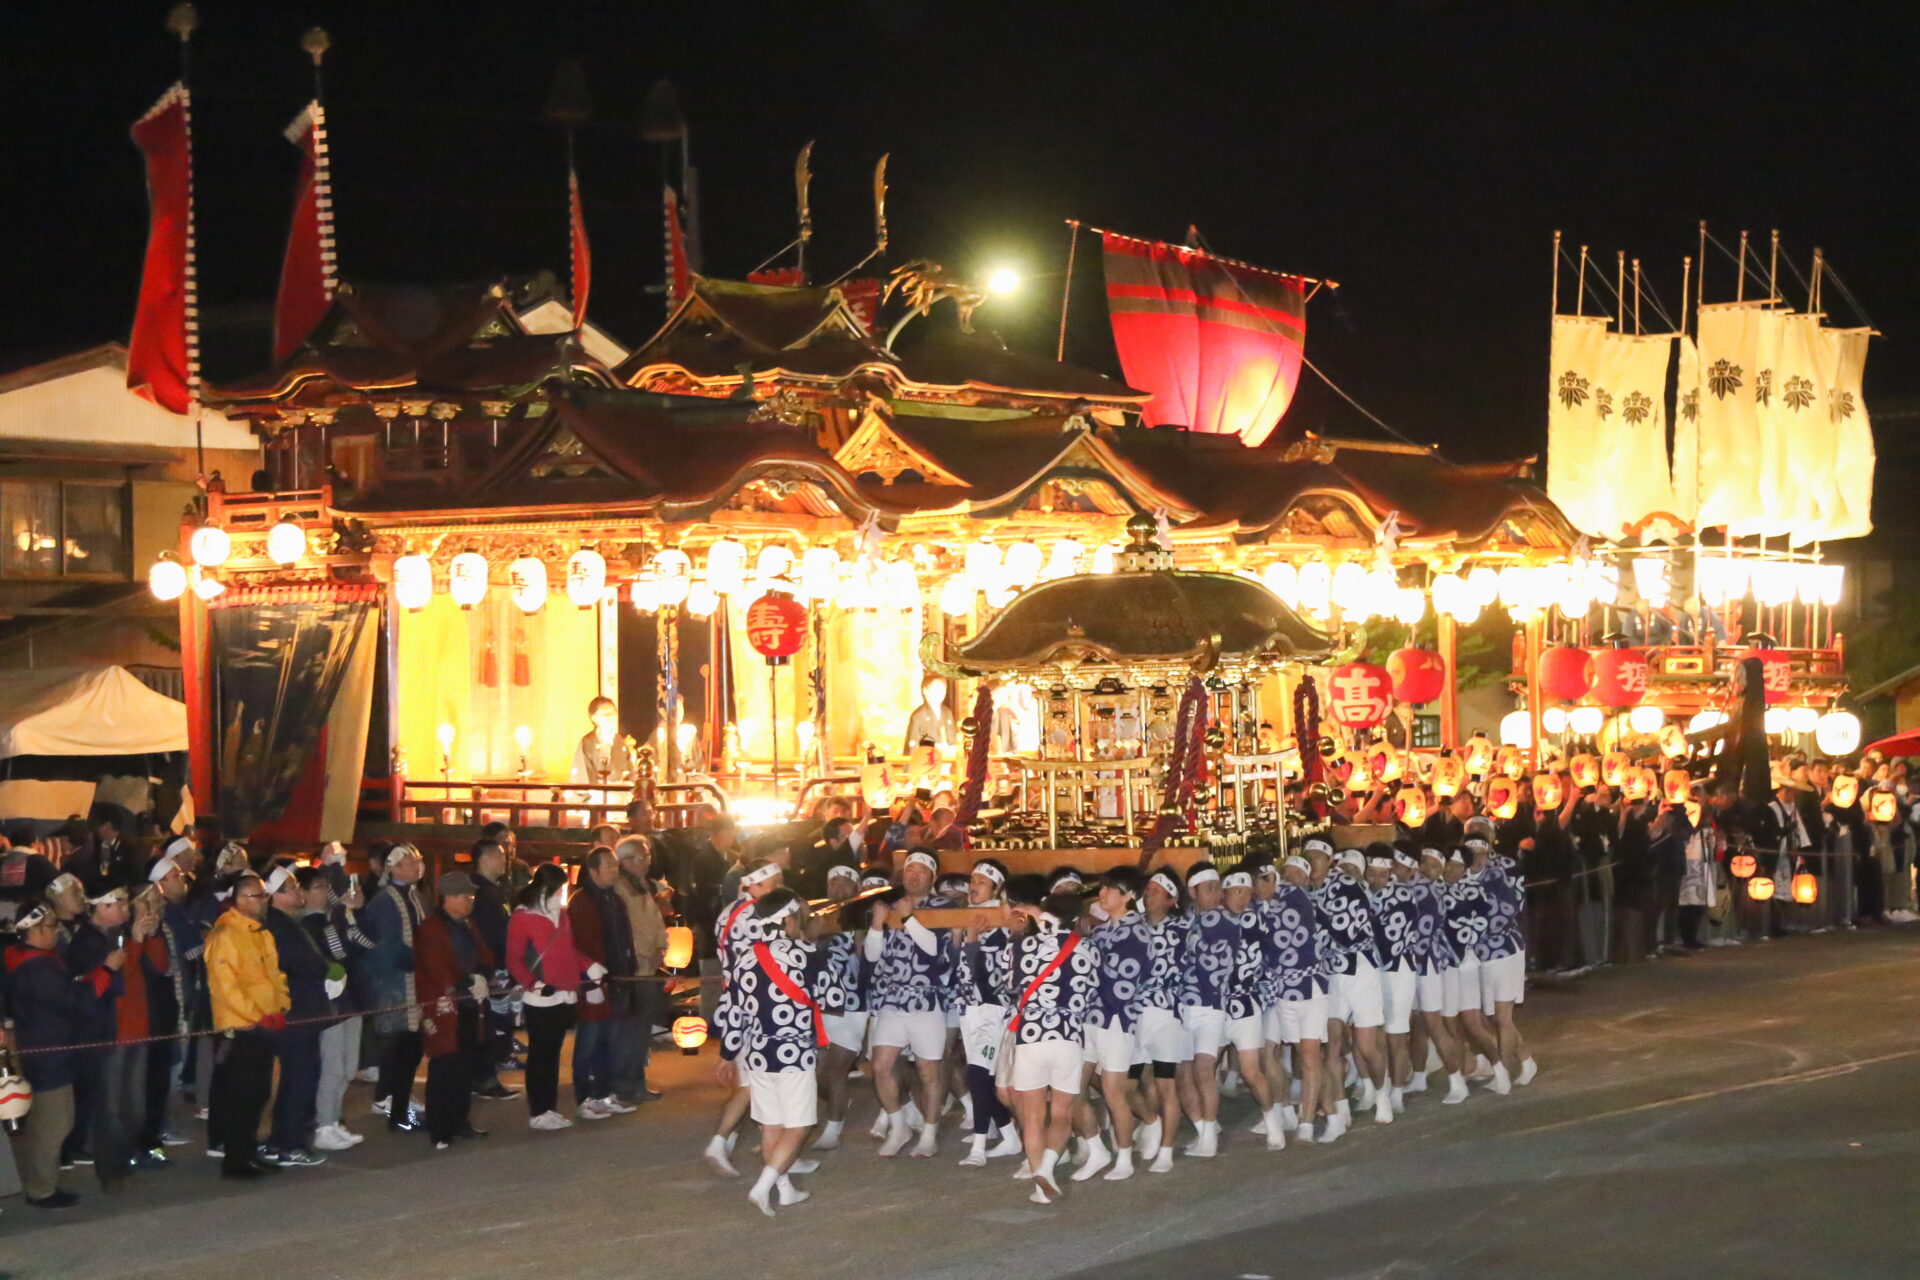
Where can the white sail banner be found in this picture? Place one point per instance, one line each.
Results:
(1793, 398)
(1686, 433)
(1849, 512)
(1732, 444)
(1607, 426)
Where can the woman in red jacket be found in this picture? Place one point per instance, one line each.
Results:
(541, 958)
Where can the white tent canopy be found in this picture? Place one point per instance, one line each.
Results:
(86, 711)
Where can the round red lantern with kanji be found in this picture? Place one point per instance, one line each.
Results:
(1360, 695)
(1776, 673)
(1619, 677)
(1566, 673)
(776, 626)
(1418, 674)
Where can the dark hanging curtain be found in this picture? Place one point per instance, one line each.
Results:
(278, 665)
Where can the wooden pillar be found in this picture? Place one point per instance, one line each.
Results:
(197, 688)
(1536, 624)
(1448, 637)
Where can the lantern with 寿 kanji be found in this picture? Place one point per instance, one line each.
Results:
(1585, 770)
(1478, 754)
(1548, 791)
(776, 626)
(1449, 774)
(1806, 889)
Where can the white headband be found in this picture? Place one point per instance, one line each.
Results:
(1204, 875)
(1167, 885)
(1058, 886)
(921, 858)
(990, 872)
(33, 917)
(1236, 880)
(1267, 871)
(1384, 864)
(179, 844)
(115, 894)
(1297, 862)
(277, 879)
(766, 871)
(1352, 858)
(61, 883)
(843, 873)
(1456, 859)
(781, 912)
(1406, 859)
(400, 853)
(1478, 845)
(1321, 846)
(876, 882)
(333, 852)
(160, 869)
(1435, 854)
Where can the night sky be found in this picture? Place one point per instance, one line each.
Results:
(1420, 153)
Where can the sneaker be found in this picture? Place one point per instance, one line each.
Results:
(329, 1138)
(384, 1107)
(216, 1152)
(616, 1107)
(496, 1092)
(200, 1113)
(593, 1109)
(152, 1158)
(442, 1146)
(58, 1200)
(172, 1138)
(78, 1157)
(549, 1120)
(369, 1075)
(300, 1158)
(268, 1155)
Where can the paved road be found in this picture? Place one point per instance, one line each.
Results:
(1746, 1112)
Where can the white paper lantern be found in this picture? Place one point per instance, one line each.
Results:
(1065, 559)
(702, 600)
(1448, 590)
(1775, 721)
(1000, 592)
(208, 587)
(898, 586)
(983, 562)
(527, 583)
(1484, 582)
(1410, 605)
(586, 577)
(1106, 557)
(1838, 733)
(1553, 720)
(1516, 730)
(467, 579)
(645, 590)
(1802, 720)
(956, 596)
(1349, 588)
(1516, 587)
(210, 546)
(1586, 721)
(856, 587)
(673, 572)
(1831, 583)
(1650, 580)
(1316, 586)
(1603, 582)
(726, 566)
(286, 543)
(1383, 593)
(774, 561)
(1706, 720)
(1283, 580)
(819, 573)
(413, 581)
(1023, 563)
(167, 579)
(1773, 582)
(1646, 719)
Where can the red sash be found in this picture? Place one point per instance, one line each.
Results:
(1073, 940)
(790, 989)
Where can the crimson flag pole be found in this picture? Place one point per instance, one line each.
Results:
(309, 274)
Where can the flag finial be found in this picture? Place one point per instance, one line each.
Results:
(182, 20)
(316, 42)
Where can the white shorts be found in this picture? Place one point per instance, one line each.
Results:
(1109, 1047)
(924, 1033)
(1270, 1025)
(788, 1099)
(847, 1030)
(953, 1017)
(981, 1030)
(1047, 1064)
(1247, 1034)
(1397, 989)
(1303, 1020)
(1163, 1038)
(1208, 1027)
(1359, 996)
(1438, 993)
(1503, 980)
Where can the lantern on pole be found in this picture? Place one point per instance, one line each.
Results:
(776, 627)
(1741, 865)
(1360, 695)
(1806, 889)
(1478, 754)
(679, 952)
(586, 577)
(1418, 675)
(1844, 791)
(1503, 797)
(412, 581)
(1449, 775)
(1585, 770)
(1413, 806)
(1882, 805)
(286, 543)
(1549, 792)
(1837, 733)
(167, 580)
(1619, 677)
(1760, 888)
(527, 582)
(1678, 785)
(1509, 762)
(467, 579)
(689, 1034)
(1566, 673)
(1613, 768)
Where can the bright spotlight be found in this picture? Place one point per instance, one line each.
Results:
(1003, 280)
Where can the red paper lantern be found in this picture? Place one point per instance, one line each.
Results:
(1360, 695)
(776, 626)
(1418, 674)
(1566, 673)
(1619, 677)
(1776, 673)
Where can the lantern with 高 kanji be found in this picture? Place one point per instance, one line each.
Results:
(1776, 673)
(1478, 754)
(1619, 677)
(776, 626)
(1806, 890)
(1678, 784)
(1413, 806)
(1418, 674)
(1548, 791)
(1566, 673)
(1360, 695)
(1503, 797)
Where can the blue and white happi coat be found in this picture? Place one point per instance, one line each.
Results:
(761, 1027)
(1507, 897)
(1167, 968)
(1350, 921)
(908, 978)
(1124, 950)
(1061, 1005)
(1396, 914)
(1438, 954)
(1246, 987)
(1296, 957)
(1212, 937)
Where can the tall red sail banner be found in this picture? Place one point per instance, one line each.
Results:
(1216, 342)
(679, 274)
(582, 253)
(163, 352)
(307, 273)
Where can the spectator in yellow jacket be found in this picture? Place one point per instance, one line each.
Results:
(250, 1004)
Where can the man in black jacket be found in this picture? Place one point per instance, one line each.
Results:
(491, 910)
(297, 1046)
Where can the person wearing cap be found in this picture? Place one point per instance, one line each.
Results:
(304, 967)
(775, 1027)
(330, 923)
(637, 895)
(184, 921)
(604, 940)
(909, 1001)
(452, 964)
(1164, 1042)
(392, 918)
(734, 936)
(1403, 956)
(96, 1118)
(1357, 1004)
(51, 1006)
(250, 1004)
(135, 1076)
(846, 1026)
(1213, 936)
(1048, 983)
(983, 1018)
(68, 898)
(1503, 963)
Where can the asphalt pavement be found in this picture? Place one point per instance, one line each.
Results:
(1747, 1112)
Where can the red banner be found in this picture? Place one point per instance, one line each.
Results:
(307, 271)
(163, 356)
(582, 255)
(1216, 342)
(679, 274)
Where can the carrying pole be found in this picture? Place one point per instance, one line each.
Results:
(1556, 274)
(1580, 285)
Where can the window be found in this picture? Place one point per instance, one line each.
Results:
(57, 529)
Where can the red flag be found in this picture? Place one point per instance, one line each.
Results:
(307, 272)
(1217, 342)
(679, 275)
(863, 299)
(582, 255)
(163, 353)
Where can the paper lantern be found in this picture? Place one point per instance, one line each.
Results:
(1316, 586)
(1636, 784)
(1023, 563)
(1553, 721)
(1844, 791)
(1283, 580)
(1585, 770)
(1360, 695)
(167, 580)
(726, 566)
(897, 587)
(208, 587)
(956, 595)
(819, 573)
(1478, 754)
(1650, 580)
(1106, 557)
(1741, 865)
(210, 546)
(1449, 775)
(1677, 785)
(1349, 588)
(1673, 741)
(1503, 798)
(586, 577)
(1586, 721)
(1385, 762)
(774, 561)
(1774, 722)
(1509, 762)
(1837, 733)
(1516, 729)
(1706, 720)
(1776, 673)
(1483, 584)
(527, 583)
(689, 1034)
(1413, 806)
(1419, 675)
(413, 581)
(1882, 805)
(467, 579)
(673, 575)
(1806, 889)
(1760, 888)
(1619, 677)
(1566, 673)
(776, 626)
(286, 543)
(1356, 774)
(1548, 791)
(1409, 606)
(1065, 559)
(645, 591)
(679, 952)
(983, 562)
(1646, 719)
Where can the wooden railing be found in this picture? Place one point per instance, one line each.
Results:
(451, 802)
